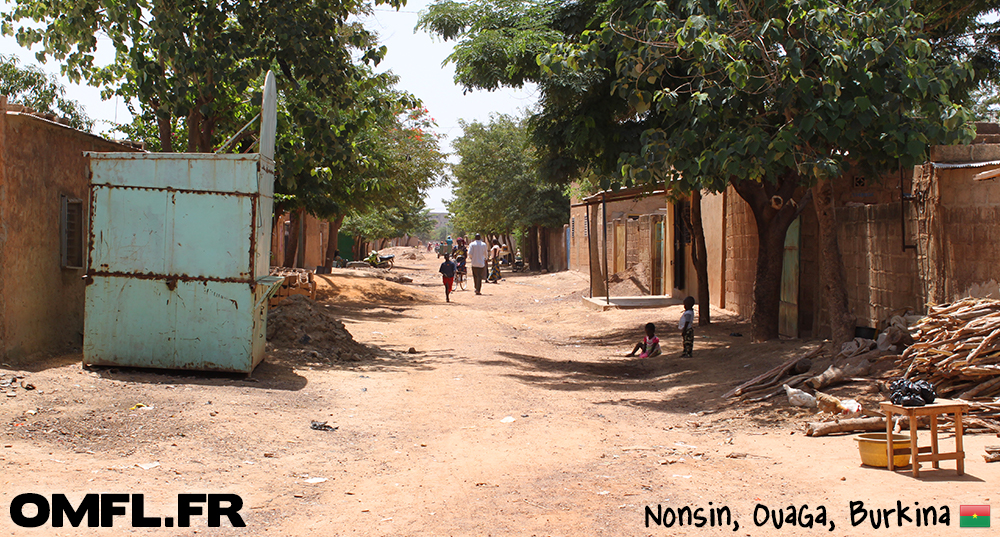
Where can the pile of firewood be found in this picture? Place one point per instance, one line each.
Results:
(957, 348)
(769, 384)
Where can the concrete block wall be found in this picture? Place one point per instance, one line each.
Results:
(882, 278)
(970, 237)
(741, 255)
(634, 243)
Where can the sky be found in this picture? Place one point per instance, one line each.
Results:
(415, 57)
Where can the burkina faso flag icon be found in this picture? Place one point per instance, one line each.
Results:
(974, 516)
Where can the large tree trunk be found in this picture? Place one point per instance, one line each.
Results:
(165, 130)
(598, 286)
(194, 128)
(533, 249)
(292, 243)
(300, 256)
(543, 248)
(832, 266)
(699, 254)
(774, 210)
(332, 239)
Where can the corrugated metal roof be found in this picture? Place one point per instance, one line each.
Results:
(966, 164)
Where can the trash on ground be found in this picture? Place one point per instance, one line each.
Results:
(322, 426)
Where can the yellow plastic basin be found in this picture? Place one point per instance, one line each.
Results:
(873, 452)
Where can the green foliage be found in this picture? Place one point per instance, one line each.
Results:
(383, 195)
(32, 87)
(577, 129)
(496, 185)
(195, 59)
(803, 88)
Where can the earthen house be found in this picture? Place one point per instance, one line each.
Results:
(44, 215)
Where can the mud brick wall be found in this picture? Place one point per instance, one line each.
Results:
(741, 255)
(881, 277)
(970, 250)
(634, 243)
(41, 303)
(958, 231)
(578, 258)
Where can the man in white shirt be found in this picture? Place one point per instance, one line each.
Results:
(477, 259)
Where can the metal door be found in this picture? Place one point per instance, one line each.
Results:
(788, 312)
(681, 238)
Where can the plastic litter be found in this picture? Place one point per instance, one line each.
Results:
(906, 393)
(322, 426)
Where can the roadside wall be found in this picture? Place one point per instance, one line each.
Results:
(882, 277)
(555, 239)
(741, 254)
(713, 216)
(957, 225)
(41, 303)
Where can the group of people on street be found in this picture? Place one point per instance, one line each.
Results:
(482, 258)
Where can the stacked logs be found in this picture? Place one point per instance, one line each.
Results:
(957, 348)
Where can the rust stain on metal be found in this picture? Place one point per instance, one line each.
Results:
(168, 277)
(253, 236)
(171, 283)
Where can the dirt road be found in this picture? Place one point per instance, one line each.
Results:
(517, 414)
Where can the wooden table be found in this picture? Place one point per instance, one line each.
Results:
(931, 453)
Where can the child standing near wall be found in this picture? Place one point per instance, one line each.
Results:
(686, 324)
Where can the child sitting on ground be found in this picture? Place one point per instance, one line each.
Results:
(686, 324)
(447, 271)
(650, 345)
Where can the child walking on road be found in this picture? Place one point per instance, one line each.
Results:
(686, 324)
(650, 345)
(447, 271)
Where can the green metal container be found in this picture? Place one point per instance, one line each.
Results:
(178, 261)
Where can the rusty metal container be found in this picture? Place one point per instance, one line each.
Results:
(178, 260)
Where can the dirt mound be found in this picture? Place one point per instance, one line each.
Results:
(629, 282)
(298, 323)
(365, 290)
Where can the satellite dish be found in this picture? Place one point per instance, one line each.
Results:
(268, 117)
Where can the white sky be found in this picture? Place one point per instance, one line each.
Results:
(415, 57)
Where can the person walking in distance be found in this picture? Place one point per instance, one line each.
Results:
(447, 271)
(477, 259)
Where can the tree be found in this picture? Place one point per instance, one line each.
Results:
(775, 97)
(32, 87)
(382, 197)
(195, 59)
(577, 131)
(497, 187)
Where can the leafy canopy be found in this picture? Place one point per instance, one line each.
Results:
(806, 87)
(496, 185)
(32, 87)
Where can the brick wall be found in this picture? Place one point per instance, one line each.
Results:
(634, 246)
(881, 277)
(958, 233)
(741, 255)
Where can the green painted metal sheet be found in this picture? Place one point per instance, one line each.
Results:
(179, 251)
